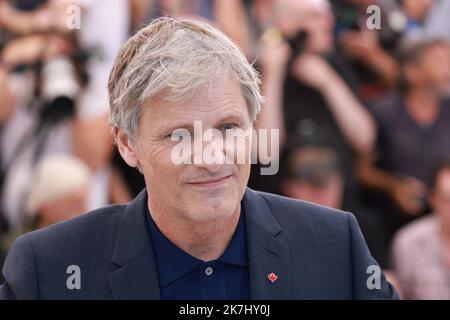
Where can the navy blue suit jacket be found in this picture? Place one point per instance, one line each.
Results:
(316, 252)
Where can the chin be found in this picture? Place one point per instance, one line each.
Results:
(212, 208)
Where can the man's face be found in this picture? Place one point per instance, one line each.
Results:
(435, 65)
(196, 192)
(432, 69)
(329, 195)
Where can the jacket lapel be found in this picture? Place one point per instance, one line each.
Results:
(266, 253)
(136, 277)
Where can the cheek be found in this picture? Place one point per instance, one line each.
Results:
(238, 148)
(156, 163)
(244, 173)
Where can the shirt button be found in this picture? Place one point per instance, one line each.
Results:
(209, 271)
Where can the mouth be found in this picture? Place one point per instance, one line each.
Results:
(211, 182)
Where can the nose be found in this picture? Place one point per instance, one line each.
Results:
(208, 153)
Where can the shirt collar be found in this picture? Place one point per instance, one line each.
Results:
(173, 263)
(236, 252)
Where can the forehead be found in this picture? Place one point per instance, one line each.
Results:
(213, 95)
(209, 101)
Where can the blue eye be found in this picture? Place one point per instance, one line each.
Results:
(179, 134)
(229, 126)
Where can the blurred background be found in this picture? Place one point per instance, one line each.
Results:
(363, 114)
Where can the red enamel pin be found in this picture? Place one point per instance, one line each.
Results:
(272, 277)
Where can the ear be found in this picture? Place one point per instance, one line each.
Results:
(126, 147)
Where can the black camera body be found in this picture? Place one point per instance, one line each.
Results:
(297, 43)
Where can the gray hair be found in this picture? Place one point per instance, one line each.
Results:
(170, 58)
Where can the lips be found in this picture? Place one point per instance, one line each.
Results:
(211, 182)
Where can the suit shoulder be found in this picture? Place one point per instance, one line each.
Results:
(291, 212)
(88, 225)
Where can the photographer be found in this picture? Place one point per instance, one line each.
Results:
(413, 135)
(368, 50)
(60, 84)
(307, 84)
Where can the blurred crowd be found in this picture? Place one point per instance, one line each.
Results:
(363, 114)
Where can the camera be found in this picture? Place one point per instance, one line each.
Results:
(59, 88)
(297, 43)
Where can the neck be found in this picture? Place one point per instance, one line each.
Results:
(205, 240)
(423, 105)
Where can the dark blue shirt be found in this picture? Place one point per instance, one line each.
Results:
(182, 276)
